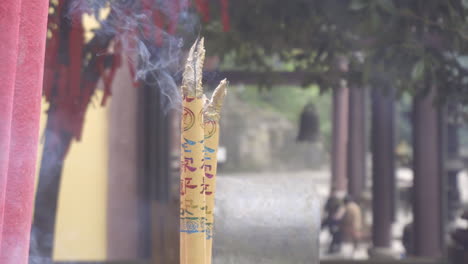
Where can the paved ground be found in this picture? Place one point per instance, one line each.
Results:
(268, 217)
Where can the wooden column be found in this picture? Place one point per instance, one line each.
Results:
(357, 142)
(123, 220)
(454, 165)
(383, 167)
(9, 28)
(56, 145)
(159, 185)
(339, 140)
(427, 207)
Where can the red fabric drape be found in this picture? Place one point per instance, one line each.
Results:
(22, 47)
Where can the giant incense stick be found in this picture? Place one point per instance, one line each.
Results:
(199, 141)
(9, 27)
(193, 204)
(24, 134)
(211, 118)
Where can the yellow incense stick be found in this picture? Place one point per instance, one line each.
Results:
(211, 118)
(192, 196)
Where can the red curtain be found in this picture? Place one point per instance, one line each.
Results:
(22, 46)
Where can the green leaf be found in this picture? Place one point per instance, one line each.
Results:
(418, 71)
(387, 5)
(358, 5)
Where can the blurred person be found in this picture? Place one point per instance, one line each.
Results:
(458, 249)
(334, 211)
(351, 224)
(460, 235)
(408, 240)
(464, 215)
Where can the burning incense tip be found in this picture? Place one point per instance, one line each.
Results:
(193, 74)
(213, 107)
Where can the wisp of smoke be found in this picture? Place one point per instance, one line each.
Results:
(150, 49)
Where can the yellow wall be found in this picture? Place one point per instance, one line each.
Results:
(81, 220)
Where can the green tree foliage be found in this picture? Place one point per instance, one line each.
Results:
(408, 45)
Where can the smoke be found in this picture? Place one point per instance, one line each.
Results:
(149, 35)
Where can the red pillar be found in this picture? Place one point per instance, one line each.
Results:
(9, 27)
(339, 140)
(19, 194)
(427, 185)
